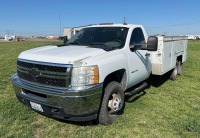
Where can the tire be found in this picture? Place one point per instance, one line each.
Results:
(180, 68)
(174, 73)
(112, 104)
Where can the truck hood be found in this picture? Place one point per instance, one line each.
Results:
(61, 55)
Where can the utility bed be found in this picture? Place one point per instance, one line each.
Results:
(169, 48)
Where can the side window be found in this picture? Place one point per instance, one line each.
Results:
(137, 38)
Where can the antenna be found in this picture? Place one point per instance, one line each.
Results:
(124, 21)
(60, 24)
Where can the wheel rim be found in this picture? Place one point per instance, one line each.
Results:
(114, 103)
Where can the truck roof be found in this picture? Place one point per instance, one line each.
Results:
(115, 25)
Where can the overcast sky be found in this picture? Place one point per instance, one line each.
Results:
(41, 17)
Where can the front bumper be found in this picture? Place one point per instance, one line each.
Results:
(60, 103)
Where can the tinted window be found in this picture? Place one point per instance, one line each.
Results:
(113, 37)
(137, 38)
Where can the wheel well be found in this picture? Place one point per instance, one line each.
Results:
(118, 76)
(179, 58)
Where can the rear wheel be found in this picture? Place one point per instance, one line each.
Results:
(174, 73)
(180, 68)
(112, 104)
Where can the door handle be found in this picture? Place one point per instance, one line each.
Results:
(147, 54)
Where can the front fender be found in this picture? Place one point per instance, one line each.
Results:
(109, 62)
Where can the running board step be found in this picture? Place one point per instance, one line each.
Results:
(136, 90)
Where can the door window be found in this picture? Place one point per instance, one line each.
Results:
(137, 39)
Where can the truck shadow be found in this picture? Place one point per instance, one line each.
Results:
(79, 123)
(154, 80)
(135, 97)
(82, 123)
(157, 81)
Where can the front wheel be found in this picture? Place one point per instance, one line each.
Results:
(112, 104)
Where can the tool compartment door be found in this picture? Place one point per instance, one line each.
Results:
(167, 55)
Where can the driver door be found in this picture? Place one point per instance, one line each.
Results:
(138, 60)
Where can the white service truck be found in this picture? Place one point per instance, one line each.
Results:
(89, 77)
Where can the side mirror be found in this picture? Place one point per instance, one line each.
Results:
(65, 39)
(152, 43)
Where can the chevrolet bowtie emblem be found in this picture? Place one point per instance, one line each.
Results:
(34, 72)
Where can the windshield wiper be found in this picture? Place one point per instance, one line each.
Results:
(101, 45)
(73, 43)
(66, 44)
(61, 45)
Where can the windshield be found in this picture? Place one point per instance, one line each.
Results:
(107, 38)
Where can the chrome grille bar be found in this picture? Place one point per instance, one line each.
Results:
(48, 74)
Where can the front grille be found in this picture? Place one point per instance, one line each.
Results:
(50, 75)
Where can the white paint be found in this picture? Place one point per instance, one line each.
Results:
(60, 55)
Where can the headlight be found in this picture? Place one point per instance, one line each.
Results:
(84, 77)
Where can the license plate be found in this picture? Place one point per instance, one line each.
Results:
(36, 106)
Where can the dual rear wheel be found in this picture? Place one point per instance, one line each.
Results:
(177, 70)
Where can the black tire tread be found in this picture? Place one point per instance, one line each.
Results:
(104, 117)
(180, 68)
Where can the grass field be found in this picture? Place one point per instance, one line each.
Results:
(171, 110)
